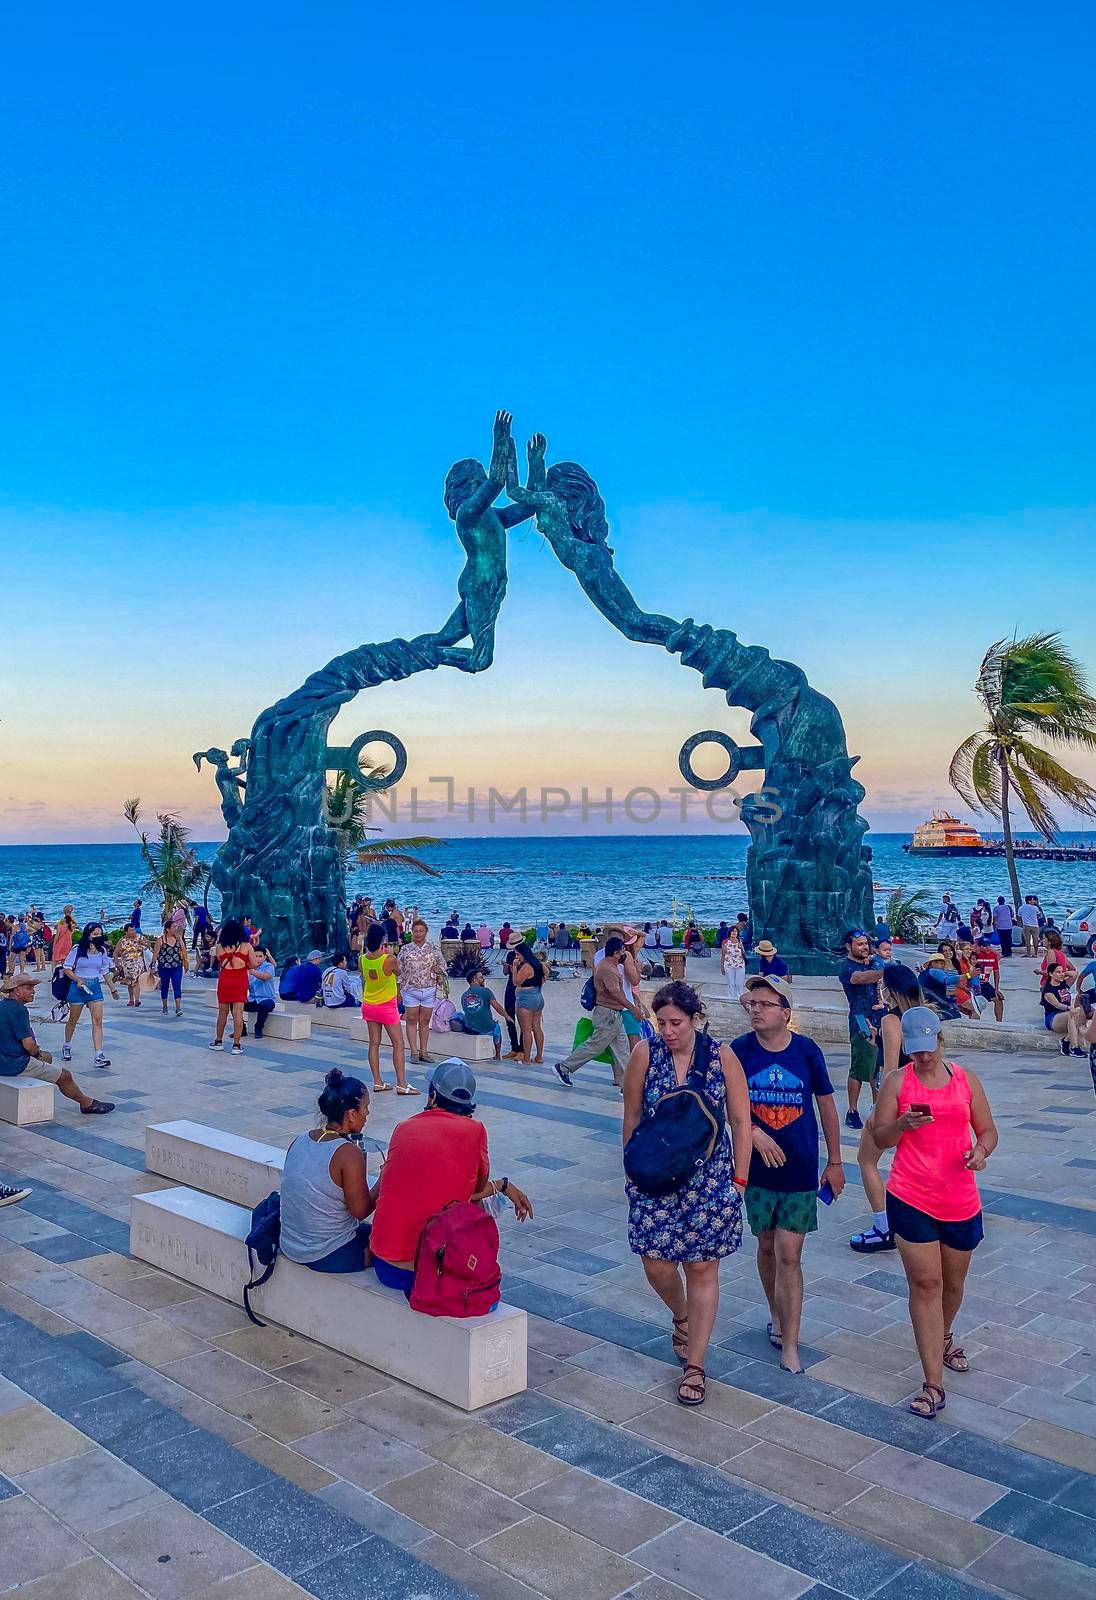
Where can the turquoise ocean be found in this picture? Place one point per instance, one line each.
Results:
(543, 878)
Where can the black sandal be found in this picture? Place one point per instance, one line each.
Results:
(699, 1387)
(925, 1404)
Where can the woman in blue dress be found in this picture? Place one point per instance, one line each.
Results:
(682, 1237)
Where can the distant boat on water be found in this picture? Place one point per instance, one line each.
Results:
(945, 835)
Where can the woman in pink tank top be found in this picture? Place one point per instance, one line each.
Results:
(937, 1118)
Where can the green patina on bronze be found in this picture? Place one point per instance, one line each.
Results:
(808, 875)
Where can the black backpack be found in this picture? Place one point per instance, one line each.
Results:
(668, 1148)
(587, 998)
(60, 986)
(263, 1241)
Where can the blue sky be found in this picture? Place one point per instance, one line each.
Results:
(809, 290)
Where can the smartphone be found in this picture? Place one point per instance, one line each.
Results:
(921, 1110)
(825, 1193)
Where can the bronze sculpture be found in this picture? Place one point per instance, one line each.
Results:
(808, 877)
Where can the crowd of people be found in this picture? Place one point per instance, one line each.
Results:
(764, 1098)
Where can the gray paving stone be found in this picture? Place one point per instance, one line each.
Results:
(378, 1571)
(821, 1551)
(698, 1494)
(285, 1526)
(91, 1491)
(711, 1567)
(1050, 1527)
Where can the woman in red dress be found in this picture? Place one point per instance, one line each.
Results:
(236, 956)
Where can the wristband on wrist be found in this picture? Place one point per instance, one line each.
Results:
(740, 1183)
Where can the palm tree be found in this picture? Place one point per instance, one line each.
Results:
(346, 809)
(174, 872)
(1031, 686)
(907, 913)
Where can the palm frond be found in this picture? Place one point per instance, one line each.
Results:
(961, 768)
(985, 777)
(1035, 799)
(374, 860)
(1052, 778)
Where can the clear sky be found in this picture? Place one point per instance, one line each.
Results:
(808, 289)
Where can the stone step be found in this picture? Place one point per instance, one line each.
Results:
(24, 1100)
(469, 1362)
(217, 1163)
(466, 1046)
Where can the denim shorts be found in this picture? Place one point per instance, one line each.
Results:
(92, 990)
(529, 1000)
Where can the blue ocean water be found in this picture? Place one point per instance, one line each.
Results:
(532, 878)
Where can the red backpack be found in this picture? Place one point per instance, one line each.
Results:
(457, 1263)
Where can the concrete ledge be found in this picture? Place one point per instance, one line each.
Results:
(469, 1362)
(830, 1025)
(467, 1046)
(284, 1022)
(281, 1026)
(340, 1019)
(24, 1100)
(221, 1164)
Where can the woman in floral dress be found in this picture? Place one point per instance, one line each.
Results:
(129, 962)
(682, 1237)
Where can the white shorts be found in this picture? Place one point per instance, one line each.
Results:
(419, 997)
(47, 1071)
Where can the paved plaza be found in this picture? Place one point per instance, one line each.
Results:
(153, 1442)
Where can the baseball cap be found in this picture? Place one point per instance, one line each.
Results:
(920, 1029)
(777, 985)
(314, 955)
(454, 1080)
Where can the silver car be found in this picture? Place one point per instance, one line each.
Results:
(1079, 931)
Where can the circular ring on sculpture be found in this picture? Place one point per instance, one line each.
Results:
(374, 781)
(725, 742)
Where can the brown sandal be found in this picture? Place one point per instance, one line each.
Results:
(925, 1404)
(680, 1341)
(955, 1357)
(697, 1385)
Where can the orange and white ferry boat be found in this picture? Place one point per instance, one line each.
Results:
(945, 835)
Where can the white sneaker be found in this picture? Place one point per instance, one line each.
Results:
(66, 1052)
(237, 1049)
(216, 1044)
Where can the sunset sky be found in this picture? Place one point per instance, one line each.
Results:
(813, 303)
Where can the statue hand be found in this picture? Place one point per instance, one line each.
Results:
(536, 448)
(501, 433)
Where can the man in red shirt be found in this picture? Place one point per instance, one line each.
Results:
(436, 1157)
(987, 965)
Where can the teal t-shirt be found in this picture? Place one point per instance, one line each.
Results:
(475, 1004)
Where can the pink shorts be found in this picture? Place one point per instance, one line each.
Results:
(388, 1013)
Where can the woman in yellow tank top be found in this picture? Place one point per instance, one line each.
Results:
(380, 1008)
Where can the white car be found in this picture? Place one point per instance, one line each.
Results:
(1079, 931)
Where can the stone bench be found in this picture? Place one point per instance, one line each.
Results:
(467, 1046)
(24, 1100)
(217, 1163)
(341, 1019)
(469, 1362)
(282, 1023)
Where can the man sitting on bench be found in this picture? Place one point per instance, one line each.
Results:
(433, 1158)
(20, 1054)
